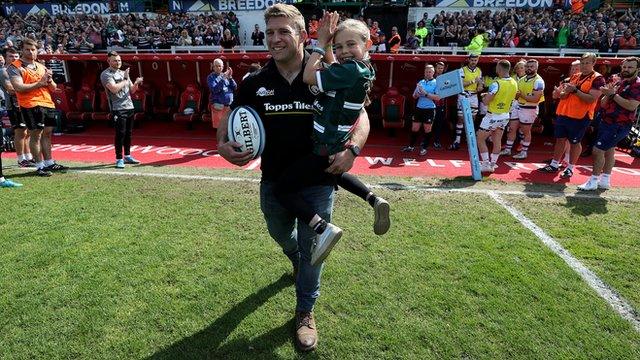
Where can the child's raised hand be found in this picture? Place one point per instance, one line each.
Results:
(327, 28)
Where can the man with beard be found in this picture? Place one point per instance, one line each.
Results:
(472, 83)
(619, 105)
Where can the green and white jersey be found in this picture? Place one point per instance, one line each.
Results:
(343, 91)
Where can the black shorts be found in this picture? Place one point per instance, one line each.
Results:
(36, 118)
(425, 116)
(16, 119)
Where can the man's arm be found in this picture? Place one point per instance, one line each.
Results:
(115, 88)
(343, 161)
(19, 85)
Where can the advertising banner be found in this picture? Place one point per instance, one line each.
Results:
(222, 5)
(495, 3)
(89, 8)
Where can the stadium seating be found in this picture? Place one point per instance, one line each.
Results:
(103, 114)
(169, 98)
(140, 109)
(392, 109)
(190, 99)
(63, 98)
(85, 106)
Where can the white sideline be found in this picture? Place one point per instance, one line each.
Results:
(390, 186)
(605, 291)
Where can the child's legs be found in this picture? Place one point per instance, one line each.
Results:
(353, 185)
(295, 178)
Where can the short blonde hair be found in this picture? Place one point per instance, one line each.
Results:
(589, 55)
(359, 27)
(287, 11)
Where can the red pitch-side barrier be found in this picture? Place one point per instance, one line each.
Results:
(401, 71)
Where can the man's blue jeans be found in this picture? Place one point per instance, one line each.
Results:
(296, 239)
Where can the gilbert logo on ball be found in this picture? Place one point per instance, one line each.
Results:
(245, 127)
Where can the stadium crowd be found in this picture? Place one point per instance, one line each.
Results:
(604, 29)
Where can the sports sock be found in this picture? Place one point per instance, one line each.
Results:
(28, 156)
(554, 163)
(484, 156)
(567, 157)
(371, 198)
(570, 167)
(509, 145)
(494, 158)
(594, 178)
(525, 146)
(49, 162)
(459, 128)
(40, 165)
(605, 177)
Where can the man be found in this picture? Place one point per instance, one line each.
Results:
(498, 100)
(479, 42)
(394, 41)
(277, 86)
(441, 107)
(575, 110)
(312, 33)
(33, 84)
(574, 69)
(609, 44)
(20, 133)
(530, 94)
(119, 87)
(412, 41)
(619, 105)
(425, 112)
(472, 82)
(221, 88)
(628, 41)
(257, 36)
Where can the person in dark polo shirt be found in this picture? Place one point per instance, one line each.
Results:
(284, 102)
(619, 105)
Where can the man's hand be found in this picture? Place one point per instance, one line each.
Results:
(126, 74)
(228, 152)
(569, 88)
(342, 162)
(138, 81)
(609, 90)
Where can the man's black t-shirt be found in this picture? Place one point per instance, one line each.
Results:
(286, 112)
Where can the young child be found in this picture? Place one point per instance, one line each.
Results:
(344, 86)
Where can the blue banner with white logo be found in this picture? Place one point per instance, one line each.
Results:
(222, 5)
(89, 8)
(495, 3)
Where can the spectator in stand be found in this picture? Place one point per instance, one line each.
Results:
(257, 36)
(562, 37)
(233, 24)
(228, 40)
(313, 31)
(451, 35)
(221, 88)
(185, 39)
(438, 32)
(421, 33)
(394, 41)
(412, 41)
(609, 44)
(374, 32)
(627, 41)
(577, 6)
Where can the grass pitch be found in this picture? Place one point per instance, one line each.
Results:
(104, 267)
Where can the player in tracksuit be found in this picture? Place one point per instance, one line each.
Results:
(343, 90)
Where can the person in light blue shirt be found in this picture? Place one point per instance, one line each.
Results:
(425, 113)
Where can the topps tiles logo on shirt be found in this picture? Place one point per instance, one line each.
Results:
(264, 92)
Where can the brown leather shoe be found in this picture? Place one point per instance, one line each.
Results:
(306, 333)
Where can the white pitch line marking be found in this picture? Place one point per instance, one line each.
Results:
(615, 300)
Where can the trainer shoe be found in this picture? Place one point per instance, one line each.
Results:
(407, 149)
(486, 167)
(43, 172)
(119, 164)
(590, 185)
(566, 174)
(324, 243)
(306, 332)
(56, 167)
(9, 184)
(604, 185)
(505, 152)
(26, 164)
(423, 152)
(130, 160)
(381, 222)
(548, 169)
(521, 155)
(437, 146)
(454, 146)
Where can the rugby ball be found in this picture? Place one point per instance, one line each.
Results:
(245, 127)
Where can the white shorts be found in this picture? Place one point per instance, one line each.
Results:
(513, 112)
(492, 122)
(473, 102)
(527, 116)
